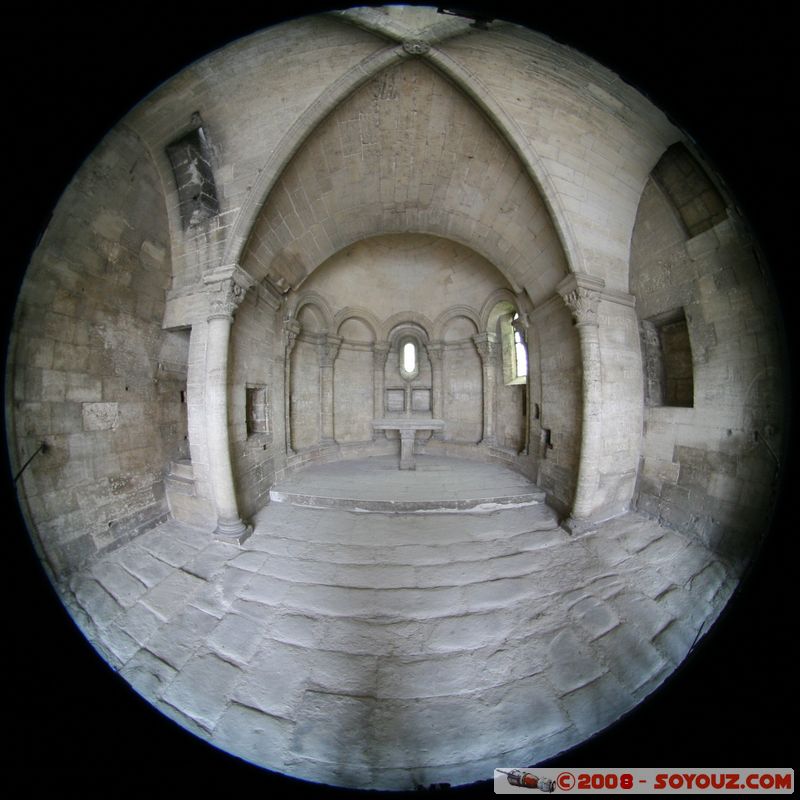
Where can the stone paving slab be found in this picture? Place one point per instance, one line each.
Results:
(450, 627)
(148, 674)
(118, 582)
(167, 548)
(170, 596)
(236, 637)
(177, 640)
(143, 565)
(202, 688)
(252, 734)
(597, 704)
(631, 659)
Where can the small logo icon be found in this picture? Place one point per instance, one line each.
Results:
(527, 780)
(565, 781)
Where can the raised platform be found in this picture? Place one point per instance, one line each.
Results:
(438, 484)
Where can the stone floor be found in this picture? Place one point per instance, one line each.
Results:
(390, 650)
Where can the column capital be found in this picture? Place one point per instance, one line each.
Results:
(434, 351)
(380, 352)
(226, 288)
(581, 293)
(486, 344)
(291, 330)
(329, 349)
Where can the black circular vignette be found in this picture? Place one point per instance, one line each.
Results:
(723, 76)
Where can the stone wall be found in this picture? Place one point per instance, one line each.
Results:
(559, 398)
(253, 364)
(711, 469)
(91, 373)
(360, 296)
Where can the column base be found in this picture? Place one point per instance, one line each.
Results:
(488, 441)
(580, 526)
(232, 531)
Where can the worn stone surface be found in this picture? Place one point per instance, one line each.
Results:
(267, 657)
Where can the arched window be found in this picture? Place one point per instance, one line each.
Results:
(520, 353)
(408, 357)
(514, 349)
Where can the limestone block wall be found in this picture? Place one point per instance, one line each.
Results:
(249, 95)
(91, 373)
(462, 393)
(305, 408)
(594, 138)
(353, 393)
(560, 391)
(253, 366)
(710, 469)
(621, 356)
(510, 414)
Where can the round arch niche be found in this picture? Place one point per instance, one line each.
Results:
(93, 682)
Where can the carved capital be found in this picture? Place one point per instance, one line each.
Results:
(380, 352)
(583, 305)
(582, 294)
(435, 351)
(291, 330)
(226, 289)
(328, 350)
(487, 345)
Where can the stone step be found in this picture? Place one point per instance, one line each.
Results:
(182, 468)
(179, 485)
(443, 555)
(285, 524)
(474, 504)
(402, 573)
(395, 604)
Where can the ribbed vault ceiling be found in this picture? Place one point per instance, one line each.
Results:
(406, 152)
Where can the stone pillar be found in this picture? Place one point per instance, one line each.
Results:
(291, 329)
(435, 355)
(582, 296)
(487, 344)
(226, 289)
(407, 449)
(328, 350)
(380, 352)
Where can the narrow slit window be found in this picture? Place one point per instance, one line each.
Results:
(520, 353)
(409, 357)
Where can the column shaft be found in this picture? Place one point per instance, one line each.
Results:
(329, 349)
(227, 288)
(487, 349)
(583, 302)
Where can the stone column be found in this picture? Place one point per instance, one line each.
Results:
(226, 289)
(487, 344)
(435, 354)
(328, 350)
(380, 352)
(582, 296)
(291, 329)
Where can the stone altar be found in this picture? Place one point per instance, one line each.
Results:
(407, 427)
